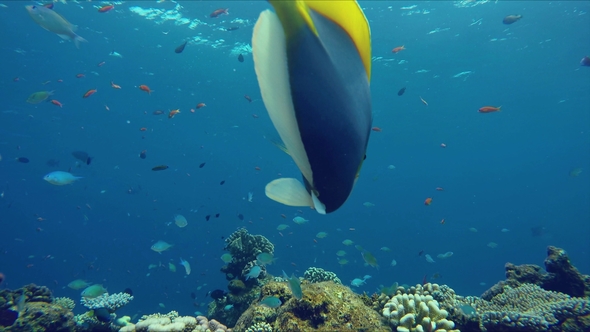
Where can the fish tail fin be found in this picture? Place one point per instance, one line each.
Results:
(499, 108)
(77, 39)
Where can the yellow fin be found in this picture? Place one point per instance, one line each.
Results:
(348, 15)
(288, 191)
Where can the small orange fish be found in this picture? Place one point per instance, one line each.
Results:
(397, 49)
(105, 9)
(173, 113)
(443, 145)
(440, 189)
(428, 201)
(100, 64)
(442, 222)
(80, 75)
(89, 93)
(377, 129)
(145, 88)
(143, 129)
(115, 86)
(218, 12)
(423, 101)
(490, 109)
(248, 98)
(56, 103)
(200, 105)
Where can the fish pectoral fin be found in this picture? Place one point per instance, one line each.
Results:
(288, 191)
(319, 206)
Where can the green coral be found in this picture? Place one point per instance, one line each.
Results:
(236, 287)
(325, 306)
(316, 274)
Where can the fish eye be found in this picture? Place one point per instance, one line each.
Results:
(34, 7)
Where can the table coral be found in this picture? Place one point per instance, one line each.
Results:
(530, 307)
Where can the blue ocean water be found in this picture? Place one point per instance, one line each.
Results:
(503, 173)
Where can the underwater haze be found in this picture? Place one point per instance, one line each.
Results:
(504, 185)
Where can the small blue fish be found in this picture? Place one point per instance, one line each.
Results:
(254, 272)
(228, 307)
(271, 302)
(294, 285)
(60, 178)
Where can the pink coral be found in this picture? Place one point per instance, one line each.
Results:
(212, 325)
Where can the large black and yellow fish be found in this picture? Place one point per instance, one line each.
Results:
(313, 63)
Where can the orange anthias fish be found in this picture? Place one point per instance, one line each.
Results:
(89, 93)
(377, 129)
(80, 75)
(105, 9)
(397, 49)
(428, 201)
(200, 105)
(218, 12)
(173, 113)
(490, 109)
(115, 86)
(56, 103)
(145, 88)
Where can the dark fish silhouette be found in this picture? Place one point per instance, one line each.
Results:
(180, 48)
(217, 294)
(241, 58)
(22, 160)
(160, 168)
(401, 91)
(231, 28)
(511, 19)
(83, 156)
(52, 163)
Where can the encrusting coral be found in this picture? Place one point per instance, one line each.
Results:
(172, 322)
(325, 306)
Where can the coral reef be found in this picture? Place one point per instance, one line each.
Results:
(31, 308)
(325, 306)
(260, 327)
(316, 274)
(173, 322)
(244, 247)
(561, 276)
(65, 302)
(111, 302)
(531, 308)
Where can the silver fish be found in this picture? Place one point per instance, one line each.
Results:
(52, 21)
